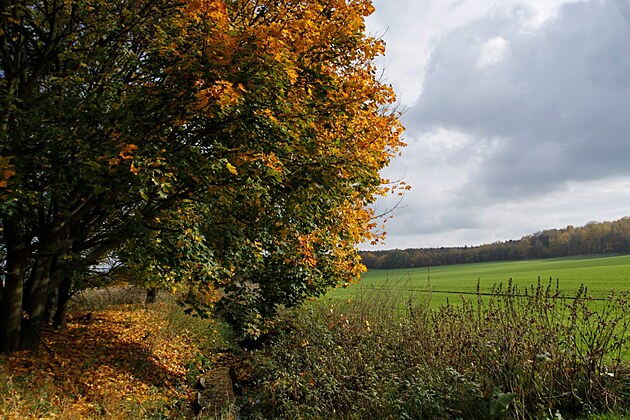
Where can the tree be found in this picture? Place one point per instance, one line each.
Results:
(369, 259)
(395, 259)
(231, 145)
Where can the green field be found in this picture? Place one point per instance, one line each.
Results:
(600, 274)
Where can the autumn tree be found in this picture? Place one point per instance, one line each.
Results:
(593, 238)
(232, 147)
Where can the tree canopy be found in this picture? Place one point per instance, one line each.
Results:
(230, 145)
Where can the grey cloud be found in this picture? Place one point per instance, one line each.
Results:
(426, 222)
(557, 102)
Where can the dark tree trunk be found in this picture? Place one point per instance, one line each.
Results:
(63, 296)
(11, 315)
(12, 291)
(51, 306)
(34, 304)
(151, 294)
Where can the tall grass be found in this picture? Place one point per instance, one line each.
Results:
(520, 354)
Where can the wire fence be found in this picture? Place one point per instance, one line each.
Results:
(493, 293)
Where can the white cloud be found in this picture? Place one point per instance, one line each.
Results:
(492, 51)
(412, 28)
(576, 204)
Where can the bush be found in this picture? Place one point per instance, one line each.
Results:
(517, 354)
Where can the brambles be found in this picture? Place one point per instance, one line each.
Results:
(535, 351)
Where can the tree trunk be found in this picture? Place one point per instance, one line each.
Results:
(51, 306)
(63, 296)
(34, 303)
(151, 294)
(11, 315)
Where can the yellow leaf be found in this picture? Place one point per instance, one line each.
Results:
(231, 168)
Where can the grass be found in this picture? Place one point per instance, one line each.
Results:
(600, 274)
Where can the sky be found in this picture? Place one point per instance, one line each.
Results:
(517, 116)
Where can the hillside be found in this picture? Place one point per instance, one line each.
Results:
(590, 239)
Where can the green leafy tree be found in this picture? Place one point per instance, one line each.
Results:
(232, 146)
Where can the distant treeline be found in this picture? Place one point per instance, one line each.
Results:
(593, 238)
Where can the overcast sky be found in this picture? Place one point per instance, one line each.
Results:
(517, 116)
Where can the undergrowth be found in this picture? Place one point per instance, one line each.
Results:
(515, 354)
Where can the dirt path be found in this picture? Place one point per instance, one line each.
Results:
(122, 362)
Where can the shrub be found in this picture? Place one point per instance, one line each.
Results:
(520, 354)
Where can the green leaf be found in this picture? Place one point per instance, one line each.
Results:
(499, 402)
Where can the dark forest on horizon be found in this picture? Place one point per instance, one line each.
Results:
(591, 239)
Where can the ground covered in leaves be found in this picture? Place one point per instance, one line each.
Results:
(124, 361)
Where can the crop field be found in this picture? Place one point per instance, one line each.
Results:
(600, 274)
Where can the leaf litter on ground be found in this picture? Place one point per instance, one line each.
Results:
(122, 361)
